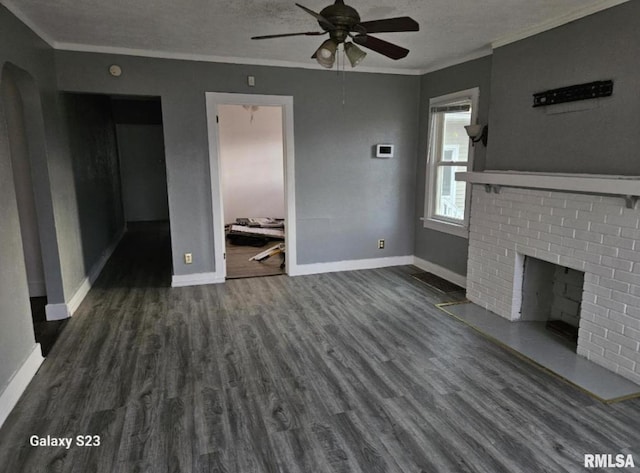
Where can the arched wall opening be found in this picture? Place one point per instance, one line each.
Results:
(29, 178)
(23, 184)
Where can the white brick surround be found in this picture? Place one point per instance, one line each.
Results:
(590, 233)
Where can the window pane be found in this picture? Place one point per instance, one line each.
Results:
(449, 154)
(451, 194)
(447, 185)
(455, 146)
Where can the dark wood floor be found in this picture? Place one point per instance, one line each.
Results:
(343, 372)
(239, 266)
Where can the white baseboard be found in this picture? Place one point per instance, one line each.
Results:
(79, 295)
(438, 270)
(350, 265)
(57, 311)
(196, 279)
(94, 272)
(19, 382)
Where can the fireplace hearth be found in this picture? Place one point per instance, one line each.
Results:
(595, 238)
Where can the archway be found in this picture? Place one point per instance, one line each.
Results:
(25, 133)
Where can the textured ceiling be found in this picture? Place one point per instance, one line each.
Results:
(450, 30)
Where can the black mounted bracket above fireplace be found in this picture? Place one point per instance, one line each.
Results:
(573, 93)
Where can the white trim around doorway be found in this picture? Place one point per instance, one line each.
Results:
(213, 100)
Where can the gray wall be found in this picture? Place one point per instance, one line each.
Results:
(20, 47)
(23, 184)
(345, 199)
(602, 140)
(30, 63)
(143, 171)
(96, 173)
(436, 247)
(16, 330)
(142, 162)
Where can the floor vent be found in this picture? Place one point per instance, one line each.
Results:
(437, 283)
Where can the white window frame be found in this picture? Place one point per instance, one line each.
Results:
(431, 220)
(455, 154)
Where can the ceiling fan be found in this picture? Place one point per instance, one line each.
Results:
(342, 22)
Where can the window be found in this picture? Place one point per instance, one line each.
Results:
(449, 151)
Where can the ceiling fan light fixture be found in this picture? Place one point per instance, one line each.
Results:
(342, 23)
(326, 53)
(354, 54)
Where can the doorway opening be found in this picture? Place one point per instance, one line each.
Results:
(140, 138)
(252, 178)
(118, 162)
(143, 175)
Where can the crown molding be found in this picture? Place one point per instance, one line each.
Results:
(27, 21)
(220, 59)
(555, 22)
(438, 66)
(503, 41)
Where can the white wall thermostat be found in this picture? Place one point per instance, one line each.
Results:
(384, 151)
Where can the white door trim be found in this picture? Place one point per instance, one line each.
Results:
(286, 102)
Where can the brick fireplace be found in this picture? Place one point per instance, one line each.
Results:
(596, 234)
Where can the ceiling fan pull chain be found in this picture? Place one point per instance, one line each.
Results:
(344, 79)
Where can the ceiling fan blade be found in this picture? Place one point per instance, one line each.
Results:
(309, 33)
(323, 21)
(391, 25)
(383, 47)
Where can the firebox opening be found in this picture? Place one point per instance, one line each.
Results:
(552, 294)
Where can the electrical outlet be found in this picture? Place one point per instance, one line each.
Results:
(188, 258)
(381, 244)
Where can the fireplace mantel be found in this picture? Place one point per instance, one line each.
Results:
(625, 186)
